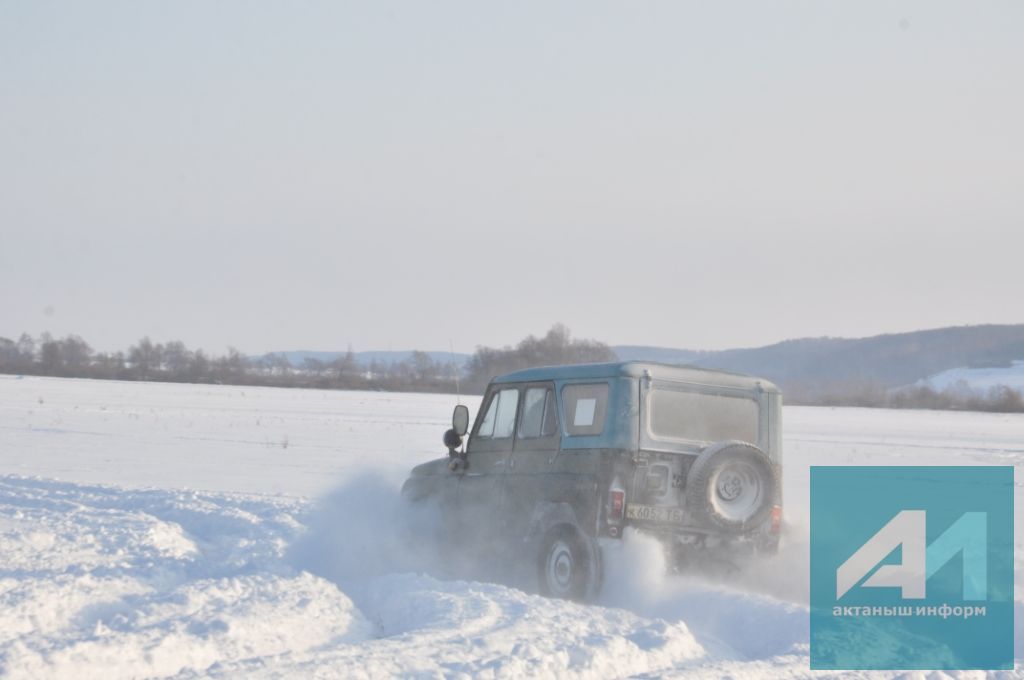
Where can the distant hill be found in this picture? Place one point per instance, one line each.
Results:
(664, 355)
(812, 367)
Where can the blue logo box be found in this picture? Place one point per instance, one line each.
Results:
(911, 568)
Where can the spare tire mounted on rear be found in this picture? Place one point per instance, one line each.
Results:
(731, 486)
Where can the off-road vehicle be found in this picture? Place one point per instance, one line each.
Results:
(563, 459)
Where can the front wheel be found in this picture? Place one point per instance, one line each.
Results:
(569, 565)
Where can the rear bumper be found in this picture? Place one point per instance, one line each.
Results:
(764, 537)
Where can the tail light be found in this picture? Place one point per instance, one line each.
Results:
(616, 505)
(776, 519)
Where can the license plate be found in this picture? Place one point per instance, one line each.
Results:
(653, 513)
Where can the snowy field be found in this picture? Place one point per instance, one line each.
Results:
(152, 530)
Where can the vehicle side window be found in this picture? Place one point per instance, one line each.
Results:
(550, 425)
(500, 419)
(539, 419)
(585, 407)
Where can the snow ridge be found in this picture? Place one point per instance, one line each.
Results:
(101, 582)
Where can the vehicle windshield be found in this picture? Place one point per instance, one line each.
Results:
(701, 416)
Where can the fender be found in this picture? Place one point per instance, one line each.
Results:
(547, 515)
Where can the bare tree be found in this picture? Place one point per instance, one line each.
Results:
(176, 358)
(199, 367)
(555, 348)
(344, 369)
(10, 357)
(144, 358)
(49, 355)
(27, 348)
(75, 355)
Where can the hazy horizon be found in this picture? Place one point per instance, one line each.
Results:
(469, 351)
(399, 176)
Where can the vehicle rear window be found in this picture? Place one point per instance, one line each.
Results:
(500, 419)
(699, 416)
(584, 408)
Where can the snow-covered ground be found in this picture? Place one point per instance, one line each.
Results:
(979, 379)
(181, 530)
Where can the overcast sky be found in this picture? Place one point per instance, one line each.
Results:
(394, 175)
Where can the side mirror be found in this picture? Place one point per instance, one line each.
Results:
(460, 420)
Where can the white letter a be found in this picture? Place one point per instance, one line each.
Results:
(907, 529)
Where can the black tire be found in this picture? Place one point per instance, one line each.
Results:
(568, 566)
(731, 487)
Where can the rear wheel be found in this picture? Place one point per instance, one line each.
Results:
(567, 567)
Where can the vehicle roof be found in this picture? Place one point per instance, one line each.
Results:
(637, 369)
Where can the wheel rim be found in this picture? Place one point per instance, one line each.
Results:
(737, 491)
(559, 568)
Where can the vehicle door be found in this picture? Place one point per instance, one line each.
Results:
(480, 485)
(528, 479)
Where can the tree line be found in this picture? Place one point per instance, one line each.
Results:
(73, 357)
(173, 361)
(959, 396)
